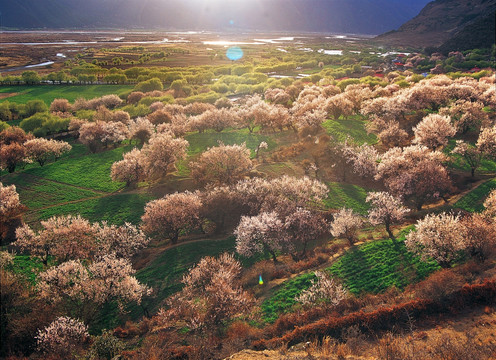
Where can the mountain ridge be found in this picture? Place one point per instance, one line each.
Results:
(448, 25)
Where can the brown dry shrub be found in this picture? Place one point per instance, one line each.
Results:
(439, 286)
(266, 268)
(391, 347)
(160, 117)
(154, 93)
(135, 97)
(288, 152)
(472, 270)
(455, 346)
(162, 345)
(129, 330)
(308, 263)
(243, 330)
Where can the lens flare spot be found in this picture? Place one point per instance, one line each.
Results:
(234, 53)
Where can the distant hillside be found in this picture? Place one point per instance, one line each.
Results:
(448, 24)
(340, 16)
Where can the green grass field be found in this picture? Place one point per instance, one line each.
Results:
(27, 267)
(48, 93)
(199, 142)
(346, 195)
(473, 201)
(115, 209)
(283, 298)
(78, 183)
(91, 171)
(457, 161)
(369, 268)
(354, 128)
(37, 193)
(376, 266)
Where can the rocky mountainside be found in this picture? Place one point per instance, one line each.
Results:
(340, 16)
(448, 24)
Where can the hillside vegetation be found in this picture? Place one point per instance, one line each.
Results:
(194, 212)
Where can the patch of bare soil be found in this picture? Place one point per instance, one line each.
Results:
(7, 95)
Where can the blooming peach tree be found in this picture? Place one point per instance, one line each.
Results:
(62, 337)
(346, 223)
(385, 209)
(211, 295)
(223, 164)
(441, 237)
(42, 150)
(171, 215)
(325, 290)
(261, 233)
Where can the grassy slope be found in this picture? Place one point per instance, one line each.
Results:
(78, 183)
(48, 93)
(91, 171)
(115, 209)
(374, 267)
(457, 161)
(371, 267)
(354, 128)
(473, 201)
(199, 142)
(167, 269)
(37, 193)
(347, 195)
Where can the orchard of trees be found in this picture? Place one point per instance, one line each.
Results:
(296, 175)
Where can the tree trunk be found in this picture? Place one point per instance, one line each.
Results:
(174, 238)
(388, 229)
(273, 256)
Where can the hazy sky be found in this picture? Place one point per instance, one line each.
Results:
(354, 16)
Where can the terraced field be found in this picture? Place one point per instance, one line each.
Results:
(372, 267)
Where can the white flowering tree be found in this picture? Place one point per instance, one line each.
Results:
(82, 289)
(385, 209)
(346, 223)
(171, 215)
(490, 204)
(212, 294)
(72, 237)
(303, 226)
(223, 164)
(161, 153)
(325, 290)
(130, 169)
(487, 141)
(471, 154)
(364, 159)
(440, 237)
(433, 131)
(42, 150)
(261, 233)
(62, 337)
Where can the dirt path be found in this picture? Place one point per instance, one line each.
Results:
(454, 198)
